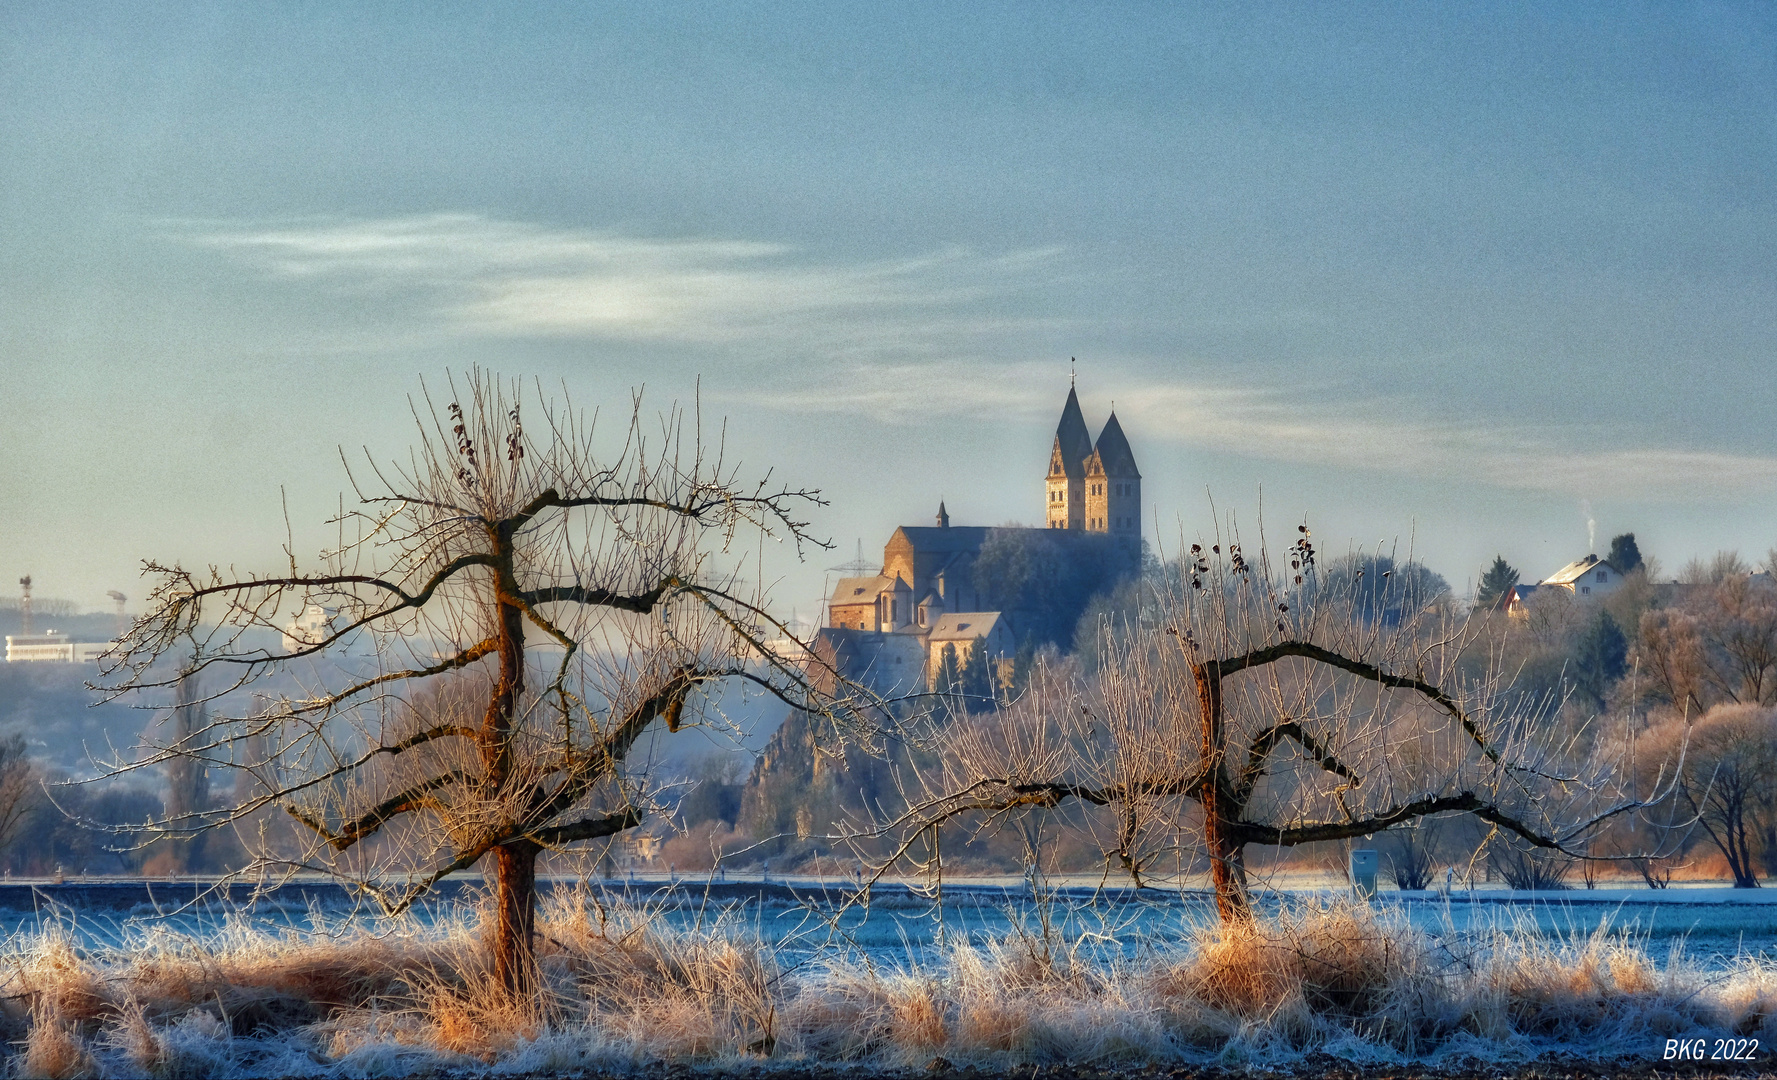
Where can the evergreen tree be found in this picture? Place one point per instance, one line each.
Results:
(949, 671)
(977, 678)
(1624, 555)
(1496, 583)
(1044, 580)
(1600, 657)
(188, 777)
(948, 681)
(1022, 661)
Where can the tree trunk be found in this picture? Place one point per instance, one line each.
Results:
(1227, 869)
(515, 863)
(1227, 859)
(515, 918)
(1739, 851)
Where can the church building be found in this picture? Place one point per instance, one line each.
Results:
(923, 598)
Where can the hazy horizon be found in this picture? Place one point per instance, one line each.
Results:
(1458, 280)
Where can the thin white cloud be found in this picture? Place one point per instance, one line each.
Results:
(1383, 435)
(1407, 437)
(915, 339)
(505, 278)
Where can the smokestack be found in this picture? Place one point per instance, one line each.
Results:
(25, 605)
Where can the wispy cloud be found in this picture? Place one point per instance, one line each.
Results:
(1380, 434)
(495, 277)
(1418, 438)
(926, 338)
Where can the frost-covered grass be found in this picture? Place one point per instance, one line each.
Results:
(625, 987)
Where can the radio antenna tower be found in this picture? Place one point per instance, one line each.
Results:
(25, 605)
(856, 568)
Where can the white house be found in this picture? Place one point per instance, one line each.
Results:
(1588, 577)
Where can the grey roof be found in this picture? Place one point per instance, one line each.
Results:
(967, 539)
(865, 590)
(963, 625)
(1113, 451)
(1072, 441)
(955, 538)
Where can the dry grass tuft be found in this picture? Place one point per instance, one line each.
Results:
(654, 992)
(1749, 998)
(55, 1050)
(481, 1026)
(60, 985)
(1600, 985)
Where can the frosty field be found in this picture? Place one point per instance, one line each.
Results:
(119, 979)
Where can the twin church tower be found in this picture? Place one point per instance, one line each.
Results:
(1093, 487)
(925, 587)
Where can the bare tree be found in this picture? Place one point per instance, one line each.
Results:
(1524, 867)
(1262, 707)
(1718, 645)
(557, 601)
(1717, 568)
(1412, 852)
(1724, 763)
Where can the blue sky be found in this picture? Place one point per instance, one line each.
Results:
(1411, 271)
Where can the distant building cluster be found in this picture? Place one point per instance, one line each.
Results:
(28, 647)
(51, 647)
(308, 628)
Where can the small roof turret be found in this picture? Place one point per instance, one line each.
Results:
(943, 516)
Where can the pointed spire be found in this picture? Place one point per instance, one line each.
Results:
(943, 516)
(1113, 450)
(1073, 442)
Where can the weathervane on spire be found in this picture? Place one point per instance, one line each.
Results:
(1070, 373)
